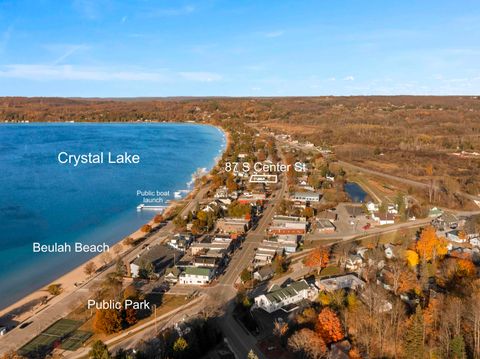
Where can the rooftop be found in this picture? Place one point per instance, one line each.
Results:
(197, 271)
(277, 294)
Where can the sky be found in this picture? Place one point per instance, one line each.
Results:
(106, 48)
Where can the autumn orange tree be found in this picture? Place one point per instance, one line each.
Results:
(146, 228)
(328, 326)
(158, 218)
(318, 258)
(465, 268)
(107, 321)
(430, 247)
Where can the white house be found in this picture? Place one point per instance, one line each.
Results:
(181, 241)
(196, 275)
(279, 298)
(383, 218)
(171, 275)
(372, 207)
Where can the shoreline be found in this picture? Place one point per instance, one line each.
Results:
(19, 311)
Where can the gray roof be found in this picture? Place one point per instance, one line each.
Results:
(448, 217)
(153, 254)
(206, 260)
(266, 271)
(279, 295)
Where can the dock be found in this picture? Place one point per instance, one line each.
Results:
(143, 207)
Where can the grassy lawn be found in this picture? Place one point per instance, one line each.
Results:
(396, 237)
(330, 270)
(171, 302)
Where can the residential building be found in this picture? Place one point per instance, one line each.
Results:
(372, 207)
(383, 218)
(171, 275)
(446, 220)
(196, 275)
(285, 298)
(181, 241)
(348, 281)
(435, 212)
(264, 273)
(265, 253)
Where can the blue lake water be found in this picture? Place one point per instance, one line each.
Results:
(355, 192)
(44, 201)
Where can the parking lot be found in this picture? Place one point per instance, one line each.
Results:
(350, 220)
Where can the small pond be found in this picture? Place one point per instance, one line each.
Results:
(355, 192)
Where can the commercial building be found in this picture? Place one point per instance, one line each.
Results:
(284, 225)
(157, 257)
(232, 225)
(308, 196)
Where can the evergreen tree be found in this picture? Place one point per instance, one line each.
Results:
(99, 351)
(457, 348)
(414, 337)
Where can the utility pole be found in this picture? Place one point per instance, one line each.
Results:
(155, 315)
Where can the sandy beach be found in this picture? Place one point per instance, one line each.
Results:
(38, 300)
